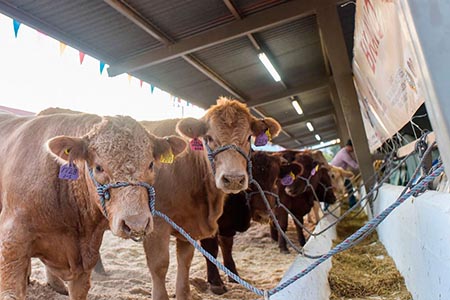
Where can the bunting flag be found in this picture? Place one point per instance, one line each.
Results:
(81, 57)
(152, 88)
(141, 82)
(102, 66)
(16, 25)
(62, 47)
(129, 78)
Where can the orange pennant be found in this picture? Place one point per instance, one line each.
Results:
(62, 47)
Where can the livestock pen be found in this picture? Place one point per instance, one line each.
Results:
(198, 51)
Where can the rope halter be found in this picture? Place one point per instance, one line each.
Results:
(104, 195)
(213, 153)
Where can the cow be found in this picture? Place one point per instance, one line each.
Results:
(192, 190)
(299, 197)
(240, 209)
(52, 169)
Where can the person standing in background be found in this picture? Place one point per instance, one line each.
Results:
(345, 160)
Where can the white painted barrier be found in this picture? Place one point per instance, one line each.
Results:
(315, 285)
(417, 236)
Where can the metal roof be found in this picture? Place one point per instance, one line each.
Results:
(201, 49)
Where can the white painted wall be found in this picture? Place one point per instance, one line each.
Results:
(417, 236)
(313, 286)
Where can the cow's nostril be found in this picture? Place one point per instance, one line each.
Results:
(242, 181)
(225, 180)
(125, 228)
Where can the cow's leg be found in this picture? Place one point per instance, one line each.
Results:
(79, 287)
(282, 218)
(99, 268)
(226, 245)
(185, 253)
(273, 232)
(14, 261)
(156, 246)
(215, 282)
(55, 282)
(300, 236)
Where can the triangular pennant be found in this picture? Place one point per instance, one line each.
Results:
(16, 25)
(152, 88)
(102, 66)
(81, 57)
(141, 82)
(62, 47)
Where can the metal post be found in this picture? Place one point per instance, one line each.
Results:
(330, 26)
(428, 25)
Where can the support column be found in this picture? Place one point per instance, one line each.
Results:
(330, 26)
(342, 125)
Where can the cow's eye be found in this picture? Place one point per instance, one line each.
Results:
(99, 168)
(151, 166)
(209, 139)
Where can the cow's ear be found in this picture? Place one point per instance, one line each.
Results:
(346, 174)
(66, 148)
(295, 168)
(192, 128)
(260, 126)
(167, 148)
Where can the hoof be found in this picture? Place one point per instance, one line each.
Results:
(284, 251)
(218, 289)
(58, 286)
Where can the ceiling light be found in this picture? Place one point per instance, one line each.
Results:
(297, 107)
(266, 62)
(310, 127)
(317, 137)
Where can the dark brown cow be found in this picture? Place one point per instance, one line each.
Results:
(62, 221)
(299, 197)
(191, 192)
(240, 209)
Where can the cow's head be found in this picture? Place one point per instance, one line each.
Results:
(300, 184)
(338, 176)
(268, 171)
(229, 122)
(324, 189)
(118, 149)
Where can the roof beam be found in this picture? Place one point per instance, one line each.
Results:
(301, 88)
(323, 131)
(277, 15)
(308, 117)
(131, 14)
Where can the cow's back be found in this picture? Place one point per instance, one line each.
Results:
(28, 174)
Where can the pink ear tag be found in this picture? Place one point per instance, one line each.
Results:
(288, 179)
(196, 144)
(68, 171)
(313, 171)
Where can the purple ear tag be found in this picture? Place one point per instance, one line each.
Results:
(288, 179)
(261, 140)
(196, 144)
(68, 171)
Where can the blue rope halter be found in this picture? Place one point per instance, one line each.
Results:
(103, 190)
(212, 154)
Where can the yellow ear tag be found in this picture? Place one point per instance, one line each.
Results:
(317, 168)
(292, 175)
(67, 151)
(167, 158)
(268, 135)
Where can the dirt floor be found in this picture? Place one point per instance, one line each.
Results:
(257, 257)
(365, 271)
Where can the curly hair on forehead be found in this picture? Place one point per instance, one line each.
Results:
(227, 110)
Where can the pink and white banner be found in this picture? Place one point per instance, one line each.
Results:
(385, 69)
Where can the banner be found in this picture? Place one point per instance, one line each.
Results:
(385, 70)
